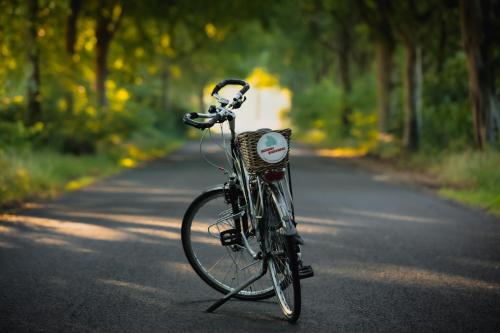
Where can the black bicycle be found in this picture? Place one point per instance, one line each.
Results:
(235, 233)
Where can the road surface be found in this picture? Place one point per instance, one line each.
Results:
(387, 257)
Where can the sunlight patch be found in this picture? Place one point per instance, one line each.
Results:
(68, 228)
(179, 267)
(391, 216)
(155, 232)
(408, 276)
(132, 286)
(346, 152)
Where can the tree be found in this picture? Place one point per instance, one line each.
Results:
(476, 19)
(71, 36)
(374, 14)
(34, 96)
(109, 15)
(409, 20)
(345, 36)
(344, 22)
(71, 25)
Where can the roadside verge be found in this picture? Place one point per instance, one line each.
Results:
(32, 175)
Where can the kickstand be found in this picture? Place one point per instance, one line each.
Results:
(227, 297)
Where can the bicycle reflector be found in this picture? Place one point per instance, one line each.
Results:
(273, 175)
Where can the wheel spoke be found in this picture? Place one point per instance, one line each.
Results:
(282, 265)
(222, 267)
(218, 261)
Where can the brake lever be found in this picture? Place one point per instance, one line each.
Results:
(221, 100)
(238, 102)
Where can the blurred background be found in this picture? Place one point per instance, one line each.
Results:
(89, 87)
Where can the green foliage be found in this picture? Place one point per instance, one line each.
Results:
(446, 116)
(15, 134)
(163, 55)
(471, 169)
(471, 177)
(317, 113)
(476, 197)
(318, 108)
(159, 58)
(28, 173)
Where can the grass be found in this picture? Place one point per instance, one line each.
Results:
(470, 177)
(27, 174)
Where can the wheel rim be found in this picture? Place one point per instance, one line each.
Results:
(281, 273)
(225, 266)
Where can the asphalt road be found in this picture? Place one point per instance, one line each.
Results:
(387, 257)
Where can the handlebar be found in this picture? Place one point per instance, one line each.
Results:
(238, 82)
(188, 120)
(221, 113)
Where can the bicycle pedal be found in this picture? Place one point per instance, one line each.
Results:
(230, 237)
(305, 272)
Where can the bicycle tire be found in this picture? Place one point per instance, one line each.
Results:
(283, 267)
(192, 257)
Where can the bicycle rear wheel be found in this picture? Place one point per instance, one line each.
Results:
(283, 265)
(221, 267)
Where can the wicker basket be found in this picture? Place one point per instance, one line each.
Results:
(247, 143)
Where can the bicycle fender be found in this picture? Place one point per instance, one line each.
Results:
(286, 219)
(214, 188)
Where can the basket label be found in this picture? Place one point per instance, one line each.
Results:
(272, 147)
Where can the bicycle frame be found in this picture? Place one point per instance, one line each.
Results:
(280, 193)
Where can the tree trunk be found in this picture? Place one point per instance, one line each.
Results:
(106, 26)
(412, 85)
(165, 90)
(474, 21)
(71, 28)
(34, 96)
(323, 68)
(384, 51)
(71, 35)
(102, 47)
(345, 81)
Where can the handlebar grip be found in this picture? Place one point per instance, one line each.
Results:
(188, 120)
(224, 83)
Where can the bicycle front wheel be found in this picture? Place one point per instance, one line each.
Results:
(221, 267)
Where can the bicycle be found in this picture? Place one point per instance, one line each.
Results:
(249, 221)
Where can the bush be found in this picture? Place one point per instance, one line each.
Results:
(446, 116)
(317, 113)
(472, 177)
(318, 108)
(27, 173)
